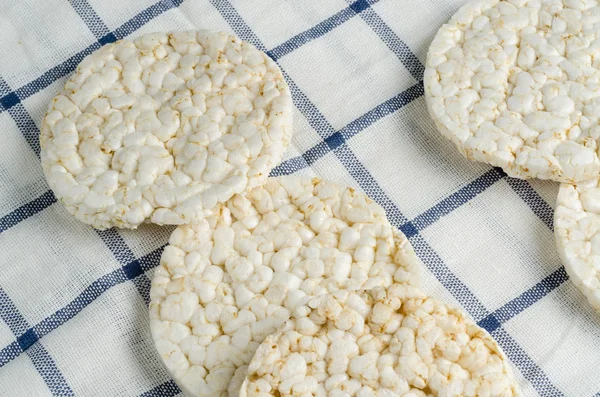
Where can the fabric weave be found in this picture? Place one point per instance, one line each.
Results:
(73, 300)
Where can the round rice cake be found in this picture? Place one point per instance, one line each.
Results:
(163, 127)
(227, 281)
(515, 83)
(405, 344)
(577, 232)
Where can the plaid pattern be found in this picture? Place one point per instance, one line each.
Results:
(73, 301)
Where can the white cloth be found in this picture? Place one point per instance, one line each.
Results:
(73, 314)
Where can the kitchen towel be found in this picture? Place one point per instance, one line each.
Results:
(73, 300)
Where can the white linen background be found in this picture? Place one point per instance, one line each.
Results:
(73, 300)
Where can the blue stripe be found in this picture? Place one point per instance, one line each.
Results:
(319, 30)
(4, 88)
(57, 72)
(447, 278)
(47, 368)
(131, 267)
(394, 43)
(366, 120)
(537, 204)
(70, 64)
(345, 155)
(9, 353)
(11, 316)
(27, 126)
(529, 297)
(87, 296)
(115, 243)
(143, 284)
(467, 193)
(22, 119)
(528, 368)
(388, 107)
(145, 16)
(315, 119)
(9, 100)
(28, 340)
(27, 210)
(89, 16)
(298, 163)
(167, 389)
(452, 202)
(369, 185)
(151, 260)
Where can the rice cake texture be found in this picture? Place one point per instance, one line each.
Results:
(163, 127)
(516, 84)
(577, 232)
(405, 344)
(227, 281)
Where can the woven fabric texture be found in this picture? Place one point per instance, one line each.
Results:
(73, 300)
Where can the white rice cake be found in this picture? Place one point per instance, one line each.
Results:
(515, 84)
(577, 232)
(404, 344)
(228, 281)
(163, 127)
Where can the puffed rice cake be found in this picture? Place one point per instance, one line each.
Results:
(227, 281)
(397, 343)
(514, 83)
(163, 127)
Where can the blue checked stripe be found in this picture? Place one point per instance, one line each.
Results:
(394, 43)
(9, 353)
(46, 367)
(27, 126)
(132, 268)
(537, 204)
(27, 210)
(167, 389)
(337, 138)
(525, 300)
(27, 340)
(530, 370)
(11, 316)
(333, 141)
(50, 76)
(91, 19)
(145, 16)
(452, 202)
(4, 88)
(23, 332)
(319, 30)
